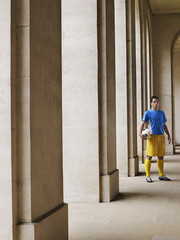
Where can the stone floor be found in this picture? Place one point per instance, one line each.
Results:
(142, 211)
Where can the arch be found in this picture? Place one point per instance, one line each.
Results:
(174, 40)
(177, 35)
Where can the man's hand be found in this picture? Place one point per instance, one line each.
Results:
(167, 132)
(169, 139)
(142, 136)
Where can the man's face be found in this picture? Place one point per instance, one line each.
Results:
(155, 104)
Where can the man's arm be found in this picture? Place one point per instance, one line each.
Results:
(140, 130)
(167, 132)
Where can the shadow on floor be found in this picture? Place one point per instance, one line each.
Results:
(141, 174)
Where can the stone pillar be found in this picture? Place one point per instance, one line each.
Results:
(7, 125)
(109, 180)
(80, 101)
(143, 69)
(138, 76)
(41, 211)
(133, 160)
(121, 88)
(149, 18)
(148, 63)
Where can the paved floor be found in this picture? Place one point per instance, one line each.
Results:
(142, 211)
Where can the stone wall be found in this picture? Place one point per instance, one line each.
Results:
(165, 28)
(176, 91)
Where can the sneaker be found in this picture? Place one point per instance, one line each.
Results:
(149, 179)
(164, 178)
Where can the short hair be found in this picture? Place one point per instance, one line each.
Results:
(153, 97)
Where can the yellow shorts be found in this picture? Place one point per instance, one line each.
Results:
(155, 146)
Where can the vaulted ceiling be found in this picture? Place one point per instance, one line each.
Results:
(165, 6)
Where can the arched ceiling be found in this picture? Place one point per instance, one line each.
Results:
(177, 45)
(165, 6)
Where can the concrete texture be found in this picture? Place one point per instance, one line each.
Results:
(80, 100)
(40, 210)
(142, 211)
(47, 227)
(176, 91)
(31, 70)
(164, 30)
(6, 177)
(88, 84)
(45, 107)
(109, 185)
(121, 87)
(131, 87)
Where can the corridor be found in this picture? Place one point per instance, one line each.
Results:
(142, 211)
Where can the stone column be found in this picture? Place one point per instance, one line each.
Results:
(121, 88)
(148, 63)
(138, 76)
(133, 160)
(41, 211)
(149, 17)
(7, 124)
(80, 101)
(109, 180)
(143, 70)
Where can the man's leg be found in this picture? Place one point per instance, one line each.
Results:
(160, 163)
(148, 168)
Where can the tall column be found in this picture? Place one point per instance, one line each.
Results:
(138, 75)
(109, 180)
(133, 160)
(80, 101)
(7, 125)
(121, 88)
(143, 69)
(41, 211)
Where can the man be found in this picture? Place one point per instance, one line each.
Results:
(156, 144)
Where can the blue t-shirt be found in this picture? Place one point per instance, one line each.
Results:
(156, 119)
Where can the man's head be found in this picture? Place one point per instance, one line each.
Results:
(154, 103)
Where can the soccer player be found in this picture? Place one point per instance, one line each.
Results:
(156, 144)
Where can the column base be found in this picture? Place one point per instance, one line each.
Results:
(140, 150)
(169, 149)
(52, 226)
(133, 166)
(109, 186)
(123, 174)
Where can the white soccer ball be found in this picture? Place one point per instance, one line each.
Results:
(147, 132)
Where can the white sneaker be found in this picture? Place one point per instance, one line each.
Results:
(149, 179)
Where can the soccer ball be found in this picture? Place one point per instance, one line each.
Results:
(147, 132)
